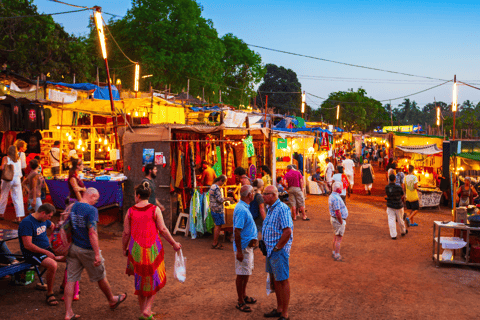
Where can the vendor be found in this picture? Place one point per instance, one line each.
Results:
(71, 150)
(466, 193)
(266, 176)
(75, 183)
(208, 174)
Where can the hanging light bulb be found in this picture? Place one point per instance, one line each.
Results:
(100, 150)
(83, 148)
(109, 148)
(67, 134)
(144, 114)
(105, 142)
(79, 142)
(69, 138)
(136, 113)
(58, 127)
(99, 139)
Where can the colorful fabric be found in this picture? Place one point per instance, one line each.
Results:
(145, 252)
(252, 172)
(193, 230)
(207, 213)
(216, 199)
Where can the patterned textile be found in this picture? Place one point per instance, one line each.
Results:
(145, 252)
(278, 218)
(216, 199)
(335, 203)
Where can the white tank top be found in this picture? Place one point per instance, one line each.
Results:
(17, 168)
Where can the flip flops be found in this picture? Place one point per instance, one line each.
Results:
(243, 307)
(119, 301)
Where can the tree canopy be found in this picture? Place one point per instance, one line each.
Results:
(357, 111)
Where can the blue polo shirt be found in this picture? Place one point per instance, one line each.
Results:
(242, 219)
(31, 227)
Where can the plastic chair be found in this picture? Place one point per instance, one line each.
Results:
(313, 187)
(187, 224)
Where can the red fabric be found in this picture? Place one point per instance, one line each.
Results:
(293, 178)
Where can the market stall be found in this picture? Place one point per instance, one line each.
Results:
(427, 161)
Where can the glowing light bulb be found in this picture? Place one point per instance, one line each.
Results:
(99, 139)
(426, 175)
(100, 150)
(83, 148)
(67, 134)
(58, 127)
(136, 113)
(144, 114)
(79, 142)
(416, 172)
(108, 149)
(69, 138)
(105, 142)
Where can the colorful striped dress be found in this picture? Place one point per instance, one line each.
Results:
(145, 252)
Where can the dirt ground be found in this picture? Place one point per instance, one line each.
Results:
(379, 279)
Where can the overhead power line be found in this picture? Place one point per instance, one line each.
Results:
(106, 27)
(343, 63)
(41, 14)
(409, 95)
(71, 5)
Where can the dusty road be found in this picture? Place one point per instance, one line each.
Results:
(379, 279)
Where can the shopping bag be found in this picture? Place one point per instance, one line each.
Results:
(61, 237)
(270, 288)
(180, 270)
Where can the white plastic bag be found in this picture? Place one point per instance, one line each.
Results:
(180, 267)
(270, 288)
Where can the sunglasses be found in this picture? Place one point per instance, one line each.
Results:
(267, 193)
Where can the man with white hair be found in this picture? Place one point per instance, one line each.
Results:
(245, 232)
(338, 217)
(85, 252)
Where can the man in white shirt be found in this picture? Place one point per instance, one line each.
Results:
(329, 170)
(55, 158)
(348, 169)
(72, 152)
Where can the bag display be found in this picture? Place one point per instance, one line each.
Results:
(180, 269)
(7, 173)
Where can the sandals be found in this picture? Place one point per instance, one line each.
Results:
(272, 314)
(52, 302)
(119, 301)
(250, 300)
(150, 317)
(217, 246)
(75, 316)
(243, 307)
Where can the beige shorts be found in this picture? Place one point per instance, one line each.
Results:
(338, 229)
(350, 179)
(79, 259)
(245, 267)
(295, 197)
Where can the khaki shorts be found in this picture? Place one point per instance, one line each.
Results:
(79, 259)
(295, 197)
(338, 229)
(245, 267)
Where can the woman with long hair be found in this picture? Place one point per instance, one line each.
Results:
(21, 148)
(75, 184)
(367, 174)
(217, 208)
(142, 245)
(14, 186)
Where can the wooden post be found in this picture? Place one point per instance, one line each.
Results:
(223, 153)
(92, 144)
(60, 158)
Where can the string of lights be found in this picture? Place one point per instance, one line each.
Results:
(41, 15)
(343, 63)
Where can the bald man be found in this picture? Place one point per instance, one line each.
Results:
(277, 233)
(85, 252)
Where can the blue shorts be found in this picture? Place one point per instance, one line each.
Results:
(278, 265)
(218, 218)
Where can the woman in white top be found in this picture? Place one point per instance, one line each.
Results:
(21, 148)
(14, 186)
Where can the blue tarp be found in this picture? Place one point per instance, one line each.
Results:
(203, 109)
(338, 129)
(302, 130)
(100, 93)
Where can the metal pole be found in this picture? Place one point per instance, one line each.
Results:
(391, 116)
(112, 106)
(454, 198)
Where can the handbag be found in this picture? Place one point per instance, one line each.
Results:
(7, 173)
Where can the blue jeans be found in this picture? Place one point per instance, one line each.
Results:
(5, 259)
(278, 264)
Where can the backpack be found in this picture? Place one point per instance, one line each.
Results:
(61, 238)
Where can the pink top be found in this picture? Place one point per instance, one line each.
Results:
(293, 178)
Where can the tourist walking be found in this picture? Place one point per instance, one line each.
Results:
(338, 218)
(367, 174)
(411, 185)
(277, 233)
(217, 208)
(395, 213)
(144, 249)
(349, 171)
(294, 181)
(342, 178)
(85, 253)
(329, 171)
(245, 241)
(150, 175)
(14, 186)
(33, 184)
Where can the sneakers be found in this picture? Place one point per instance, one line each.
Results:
(394, 238)
(413, 224)
(338, 258)
(406, 231)
(408, 222)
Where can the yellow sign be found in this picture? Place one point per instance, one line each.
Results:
(398, 128)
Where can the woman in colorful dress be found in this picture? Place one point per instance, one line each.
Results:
(144, 249)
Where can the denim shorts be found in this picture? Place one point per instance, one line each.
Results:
(218, 218)
(278, 265)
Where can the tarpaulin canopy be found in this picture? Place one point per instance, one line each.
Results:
(303, 130)
(98, 93)
(425, 149)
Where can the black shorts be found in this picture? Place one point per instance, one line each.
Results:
(412, 205)
(36, 258)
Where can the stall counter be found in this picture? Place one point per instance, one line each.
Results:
(429, 197)
(111, 192)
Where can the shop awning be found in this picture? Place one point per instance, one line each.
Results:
(425, 149)
(472, 156)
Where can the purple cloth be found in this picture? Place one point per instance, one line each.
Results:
(110, 192)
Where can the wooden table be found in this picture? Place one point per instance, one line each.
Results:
(437, 227)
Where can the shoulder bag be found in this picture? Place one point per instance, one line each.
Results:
(7, 173)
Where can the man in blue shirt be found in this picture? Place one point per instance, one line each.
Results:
(35, 245)
(338, 217)
(245, 232)
(85, 252)
(277, 233)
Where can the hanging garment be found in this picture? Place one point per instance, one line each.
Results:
(179, 174)
(252, 172)
(48, 115)
(173, 165)
(193, 230)
(198, 158)
(209, 223)
(199, 221)
(5, 118)
(17, 123)
(8, 139)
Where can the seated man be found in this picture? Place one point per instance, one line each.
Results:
(322, 184)
(6, 256)
(35, 245)
(282, 193)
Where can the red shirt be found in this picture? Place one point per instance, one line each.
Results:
(293, 178)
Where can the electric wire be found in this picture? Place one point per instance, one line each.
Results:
(71, 5)
(41, 14)
(344, 63)
(468, 85)
(118, 46)
(409, 95)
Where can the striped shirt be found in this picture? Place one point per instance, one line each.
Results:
(278, 218)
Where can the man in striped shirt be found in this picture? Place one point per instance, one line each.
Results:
(277, 233)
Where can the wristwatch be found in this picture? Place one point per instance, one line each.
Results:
(276, 249)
